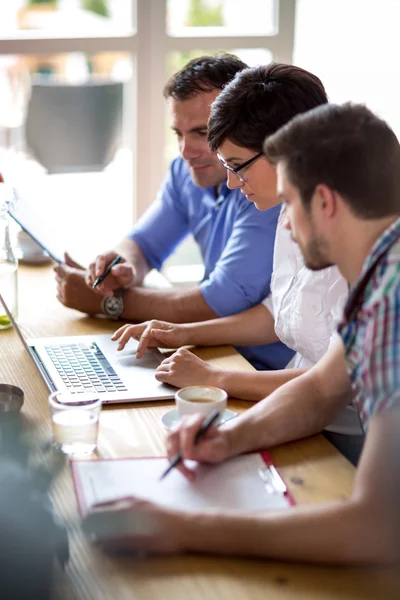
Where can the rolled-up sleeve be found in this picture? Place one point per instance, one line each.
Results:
(164, 224)
(241, 277)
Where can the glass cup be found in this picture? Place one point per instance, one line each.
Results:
(75, 422)
(200, 399)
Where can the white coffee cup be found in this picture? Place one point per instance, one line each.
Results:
(200, 399)
(29, 250)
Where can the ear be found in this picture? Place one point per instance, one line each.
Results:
(325, 200)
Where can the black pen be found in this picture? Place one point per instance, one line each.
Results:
(101, 277)
(208, 421)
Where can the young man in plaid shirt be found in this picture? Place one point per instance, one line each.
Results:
(339, 175)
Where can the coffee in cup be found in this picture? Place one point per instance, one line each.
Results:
(200, 399)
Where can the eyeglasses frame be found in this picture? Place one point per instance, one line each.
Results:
(235, 170)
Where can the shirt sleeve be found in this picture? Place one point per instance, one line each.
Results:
(380, 363)
(242, 275)
(336, 300)
(268, 303)
(164, 225)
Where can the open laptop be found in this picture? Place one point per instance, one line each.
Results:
(91, 363)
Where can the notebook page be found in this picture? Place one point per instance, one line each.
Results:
(234, 484)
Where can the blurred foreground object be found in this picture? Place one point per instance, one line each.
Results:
(31, 533)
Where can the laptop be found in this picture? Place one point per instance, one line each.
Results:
(91, 363)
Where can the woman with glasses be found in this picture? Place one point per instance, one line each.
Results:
(304, 306)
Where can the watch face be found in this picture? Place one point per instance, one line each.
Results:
(113, 306)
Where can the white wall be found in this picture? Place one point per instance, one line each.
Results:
(354, 47)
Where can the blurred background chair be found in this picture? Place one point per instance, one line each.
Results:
(74, 127)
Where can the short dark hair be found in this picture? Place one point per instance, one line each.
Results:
(258, 101)
(347, 148)
(203, 74)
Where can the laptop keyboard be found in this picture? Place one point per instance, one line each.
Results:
(84, 368)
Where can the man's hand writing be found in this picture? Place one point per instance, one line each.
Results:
(121, 275)
(213, 447)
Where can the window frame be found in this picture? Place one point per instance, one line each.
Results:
(146, 44)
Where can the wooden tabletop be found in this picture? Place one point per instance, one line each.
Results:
(313, 470)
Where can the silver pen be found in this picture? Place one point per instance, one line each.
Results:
(273, 481)
(278, 481)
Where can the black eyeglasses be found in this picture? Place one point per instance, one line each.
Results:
(236, 170)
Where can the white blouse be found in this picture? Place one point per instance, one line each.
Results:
(307, 306)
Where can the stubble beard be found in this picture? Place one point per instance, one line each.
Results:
(208, 179)
(315, 254)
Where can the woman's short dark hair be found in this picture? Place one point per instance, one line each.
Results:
(258, 101)
(347, 148)
(203, 74)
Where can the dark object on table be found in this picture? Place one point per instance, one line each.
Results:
(11, 398)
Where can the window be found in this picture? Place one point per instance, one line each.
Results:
(68, 17)
(128, 42)
(222, 17)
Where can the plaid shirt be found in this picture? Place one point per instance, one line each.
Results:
(370, 329)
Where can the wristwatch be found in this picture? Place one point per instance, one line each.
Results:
(113, 306)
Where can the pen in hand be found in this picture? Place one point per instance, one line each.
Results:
(107, 270)
(208, 421)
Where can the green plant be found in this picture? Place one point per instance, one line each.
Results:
(202, 14)
(33, 2)
(100, 7)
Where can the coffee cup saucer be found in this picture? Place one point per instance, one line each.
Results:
(172, 417)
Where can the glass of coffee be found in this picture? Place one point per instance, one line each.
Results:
(200, 399)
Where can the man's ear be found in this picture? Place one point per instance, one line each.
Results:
(324, 201)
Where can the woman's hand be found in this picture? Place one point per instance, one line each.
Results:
(152, 334)
(184, 368)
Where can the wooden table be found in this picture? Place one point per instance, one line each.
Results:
(313, 470)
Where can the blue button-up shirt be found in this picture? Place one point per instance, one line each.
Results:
(236, 243)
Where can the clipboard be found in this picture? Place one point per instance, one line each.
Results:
(245, 483)
(26, 218)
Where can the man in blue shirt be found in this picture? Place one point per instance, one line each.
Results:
(236, 241)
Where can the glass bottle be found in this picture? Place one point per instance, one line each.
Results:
(8, 263)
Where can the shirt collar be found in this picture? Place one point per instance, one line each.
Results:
(223, 192)
(379, 249)
(381, 246)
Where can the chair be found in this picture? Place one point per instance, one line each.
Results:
(74, 128)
